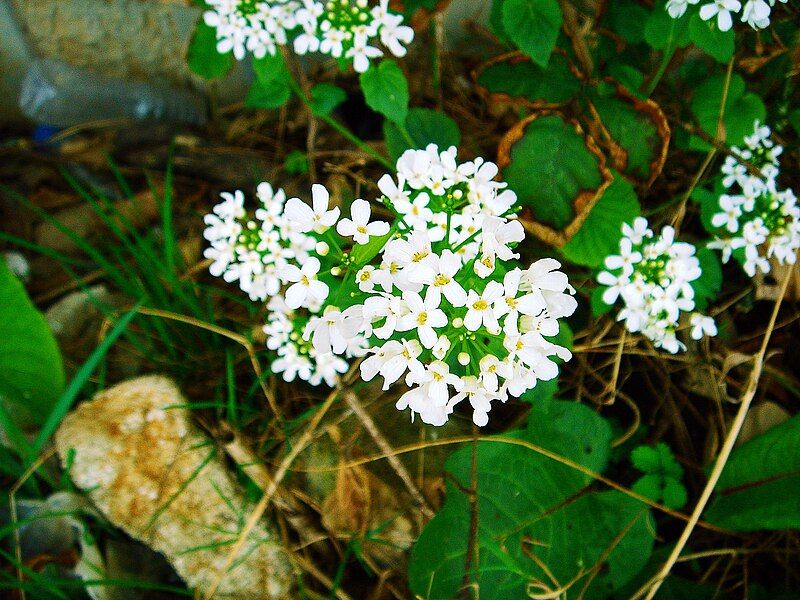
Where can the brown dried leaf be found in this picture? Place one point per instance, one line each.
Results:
(617, 153)
(583, 202)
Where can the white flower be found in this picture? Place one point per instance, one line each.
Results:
(392, 360)
(361, 52)
(511, 305)
(318, 219)
(498, 234)
(423, 316)
(307, 288)
(676, 8)
(756, 14)
(731, 211)
(722, 9)
(359, 226)
(394, 34)
(480, 308)
(626, 259)
(439, 274)
(638, 231)
(702, 325)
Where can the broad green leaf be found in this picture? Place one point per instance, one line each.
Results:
(325, 97)
(386, 90)
(742, 108)
(549, 166)
(533, 25)
(31, 371)
(674, 494)
(758, 488)
(270, 94)
(646, 459)
(203, 58)
(626, 17)
(708, 37)
(524, 79)
(661, 483)
(710, 282)
(531, 497)
(425, 126)
(662, 32)
(601, 231)
(270, 68)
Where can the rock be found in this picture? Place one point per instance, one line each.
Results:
(144, 464)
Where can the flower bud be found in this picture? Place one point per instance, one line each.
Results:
(463, 358)
(322, 248)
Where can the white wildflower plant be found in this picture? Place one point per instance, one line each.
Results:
(347, 30)
(656, 279)
(755, 13)
(431, 294)
(754, 220)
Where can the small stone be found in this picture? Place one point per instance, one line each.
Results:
(145, 465)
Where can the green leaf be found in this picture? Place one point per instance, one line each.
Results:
(270, 68)
(742, 108)
(386, 90)
(708, 37)
(710, 281)
(549, 166)
(270, 94)
(600, 234)
(203, 58)
(425, 127)
(662, 32)
(649, 486)
(758, 488)
(533, 498)
(533, 25)
(525, 79)
(626, 18)
(647, 459)
(325, 97)
(31, 371)
(674, 494)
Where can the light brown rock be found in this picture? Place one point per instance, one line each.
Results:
(156, 476)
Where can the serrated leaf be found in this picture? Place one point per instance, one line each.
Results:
(325, 97)
(557, 172)
(516, 79)
(600, 233)
(425, 127)
(533, 25)
(758, 486)
(525, 500)
(271, 94)
(203, 58)
(31, 371)
(707, 36)
(386, 90)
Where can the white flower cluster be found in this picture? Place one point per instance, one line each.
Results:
(436, 297)
(652, 275)
(342, 29)
(761, 221)
(251, 25)
(446, 306)
(755, 12)
(268, 254)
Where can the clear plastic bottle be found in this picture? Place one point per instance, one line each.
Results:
(61, 95)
